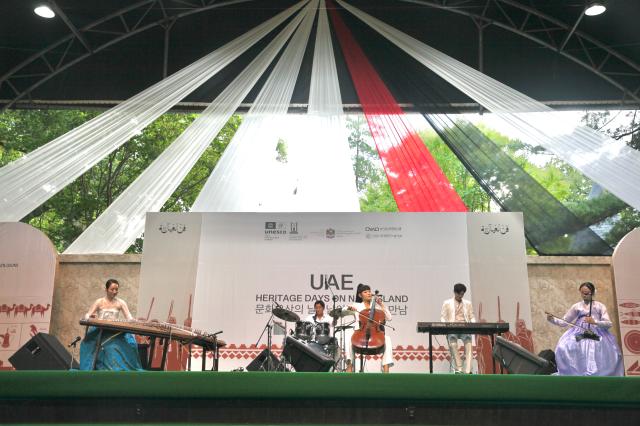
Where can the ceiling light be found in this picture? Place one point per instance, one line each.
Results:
(595, 8)
(43, 10)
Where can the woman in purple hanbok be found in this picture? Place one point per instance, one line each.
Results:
(588, 349)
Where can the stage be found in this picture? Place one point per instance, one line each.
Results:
(316, 398)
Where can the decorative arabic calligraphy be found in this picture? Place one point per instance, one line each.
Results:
(494, 229)
(172, 227)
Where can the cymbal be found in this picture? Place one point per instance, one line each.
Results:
(285, 315)
(339, 313)
(343, 327)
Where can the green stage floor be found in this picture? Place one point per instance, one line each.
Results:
(479, 389)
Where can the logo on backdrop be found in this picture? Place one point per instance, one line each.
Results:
(376, 231)
(172, 227)
(497, 228)
(330, 233)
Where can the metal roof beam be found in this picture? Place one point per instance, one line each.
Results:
(502, 19)
(144, 6)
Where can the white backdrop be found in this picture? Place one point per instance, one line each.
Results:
(625, 267)
(237, 265)
(28, 263)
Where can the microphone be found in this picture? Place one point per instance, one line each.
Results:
(76, 340)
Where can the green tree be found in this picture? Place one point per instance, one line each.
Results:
(68, 213)
(617, 217)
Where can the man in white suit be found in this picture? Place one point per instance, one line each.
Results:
(458, 310)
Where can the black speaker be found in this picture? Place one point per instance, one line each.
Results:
(261, 363)
(42, 352)
(517, 360)
(305, 356)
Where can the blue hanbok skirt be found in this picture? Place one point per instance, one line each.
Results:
(118, 351)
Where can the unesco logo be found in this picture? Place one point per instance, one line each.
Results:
(275, 228)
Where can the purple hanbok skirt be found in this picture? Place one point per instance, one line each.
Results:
(589, 357)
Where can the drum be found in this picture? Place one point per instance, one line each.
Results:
(323, 332)
(307, 356)
(304, 330)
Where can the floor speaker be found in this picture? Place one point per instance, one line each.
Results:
(261, 363)
(517, 360)
(305, 356)
(42, 352)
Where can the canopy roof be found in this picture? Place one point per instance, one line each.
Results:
(97, 52)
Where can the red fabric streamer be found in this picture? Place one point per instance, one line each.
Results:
(417, 182)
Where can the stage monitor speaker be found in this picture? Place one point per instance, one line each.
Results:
(261, 363)
(305, 356)
(43, 352)
(517, 360)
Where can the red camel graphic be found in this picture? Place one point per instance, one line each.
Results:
(6, 309)
(40, 309)
(22, 309)
(483, 349)
(33, 330)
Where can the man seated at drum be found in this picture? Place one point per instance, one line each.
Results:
(322, 322)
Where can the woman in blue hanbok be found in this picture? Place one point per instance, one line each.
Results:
(588, 349)
(118, 351)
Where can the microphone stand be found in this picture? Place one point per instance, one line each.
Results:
(73, 344)
(216, 352)
(267, 327)
(337, 367)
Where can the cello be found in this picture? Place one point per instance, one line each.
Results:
(369, 338)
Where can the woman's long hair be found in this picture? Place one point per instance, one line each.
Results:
(359, 290)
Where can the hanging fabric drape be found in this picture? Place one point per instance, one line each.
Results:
(240, 180)
(608, 162)
(416, 181)
(123, 221)
(31, 180)
(319, 155)
(550, 227)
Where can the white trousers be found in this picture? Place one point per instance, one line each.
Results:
(456, 362)
(387, 356)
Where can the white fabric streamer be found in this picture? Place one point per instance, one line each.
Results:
(123, 221)
(320, 158)
(31, 180)
(609, 162)
(241, 179)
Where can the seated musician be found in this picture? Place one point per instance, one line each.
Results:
(363, 301)
(320, 315)
(458, 310)
(119, 351)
